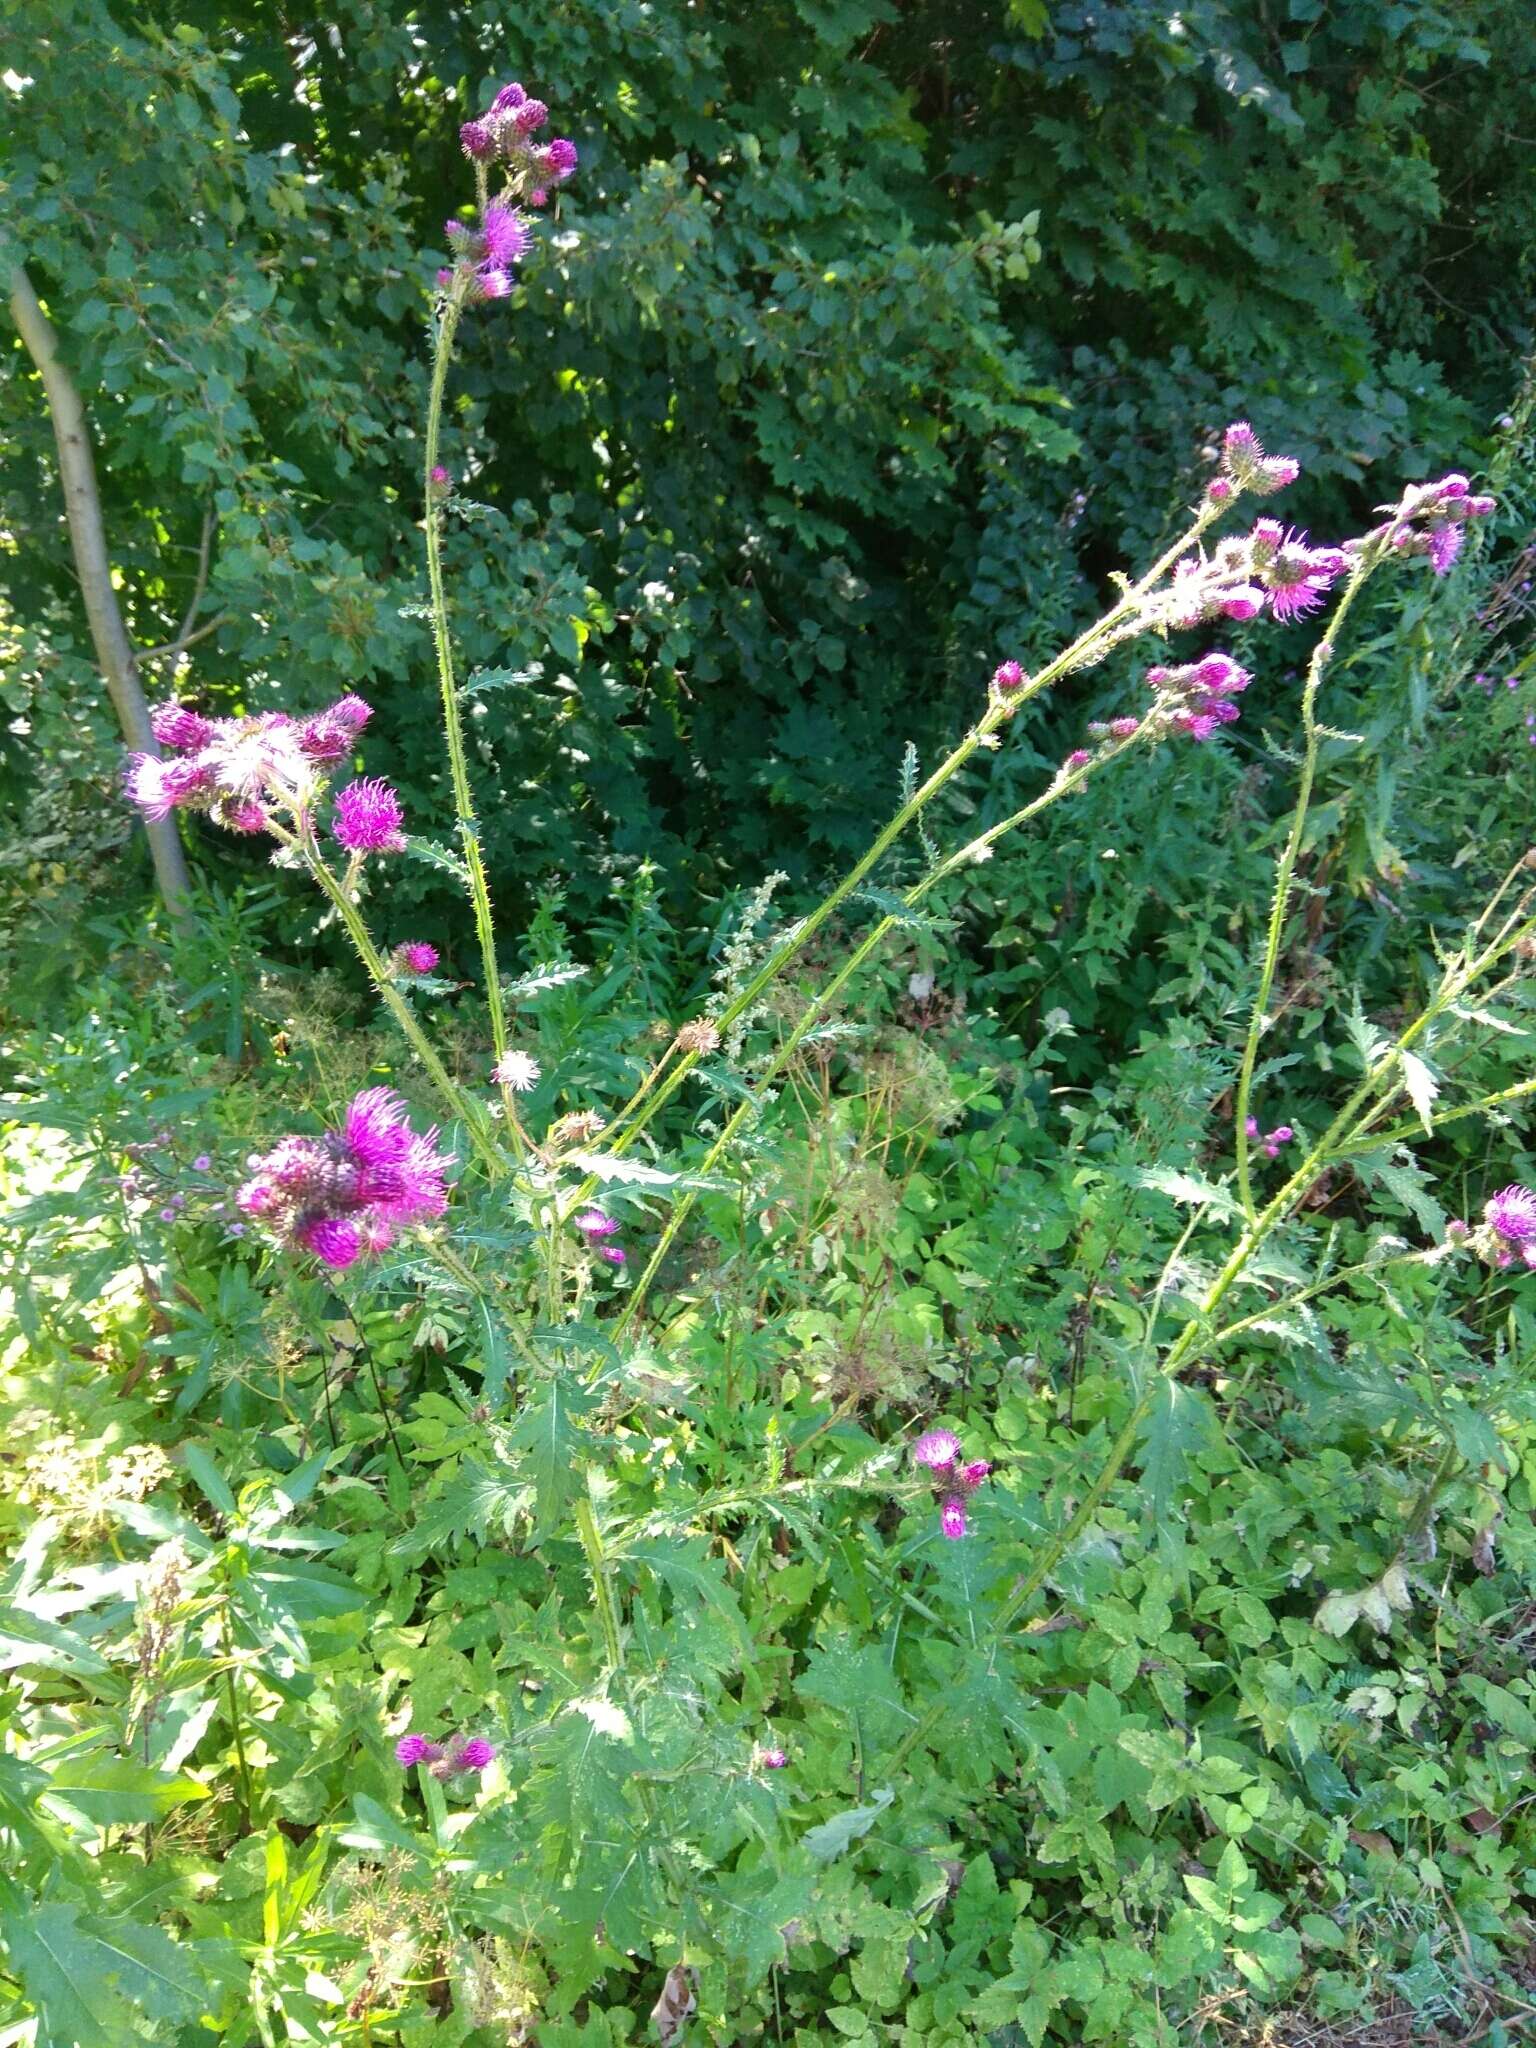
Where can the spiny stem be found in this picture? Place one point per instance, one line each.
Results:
(602, 1590)
(1280, 907)
(461, 1104)
(453, 724)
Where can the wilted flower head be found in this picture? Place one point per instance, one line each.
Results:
(771, 1760)
(369, 818)
(346, 1193)
(518, 1071)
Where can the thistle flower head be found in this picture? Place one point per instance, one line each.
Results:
(416, 1749)
(771, 1760)
(594, 1223)
(343, 1196)
(937, 1449)
(369, 818)
(180, 727)
(952, 1518)
(1512, 1213)
(415, 956)
(518, 1071)
(476, 1753)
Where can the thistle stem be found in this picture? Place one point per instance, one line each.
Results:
(453, 724)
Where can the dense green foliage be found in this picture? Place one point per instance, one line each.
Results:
(869, 339)
(865, 342)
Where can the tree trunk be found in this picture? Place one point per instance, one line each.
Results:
(82, 508)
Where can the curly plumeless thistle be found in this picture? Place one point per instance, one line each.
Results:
(347, 1193)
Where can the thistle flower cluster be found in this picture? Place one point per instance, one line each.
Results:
(1444, 508)
(1507, 1235)
(486, 252)
(345, 1194)
(938, 1452)
(236, 769)
(1197, 696)
(243, 770)
(1271, 1141)
(596, 1226)
(1245, 467)
(458, 1756)
(1270, 566)
(506, 134)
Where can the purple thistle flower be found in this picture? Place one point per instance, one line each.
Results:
(1275, 472)
(475, 1754)
(160, 787)
(1078, 758)
(1219, 489)
(973, 1474)
(937, 1450)
(1512, 1213)
(167, 1215)
(416, 1749)
(1444, 546)
(1008, 675)
(477, 141)
(342, 1197)
(415, 956)
(508, 99)
(368, 817)
(180, 727)
(772, 1759)
(594, 1223)
(952, 1518)
(561, 157)
(506, 235)
(1245, 601)
(334, 1242)
(489, 283)
(613, 1254)
(201, 1163)
(530, 116)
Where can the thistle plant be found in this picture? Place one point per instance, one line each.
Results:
(346, 1196)
(571, 1310)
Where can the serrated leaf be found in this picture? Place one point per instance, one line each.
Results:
(1422, 1089)
(437, 856)
(1180, 1184)
(538, 979)
(548, 1433)
(614, 1170)
(1181, 1421)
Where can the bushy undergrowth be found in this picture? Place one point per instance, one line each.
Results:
(950, 1461)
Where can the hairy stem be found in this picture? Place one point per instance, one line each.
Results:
(453, 723)
(1280, 908)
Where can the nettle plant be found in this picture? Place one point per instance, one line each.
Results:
(635, 1799)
